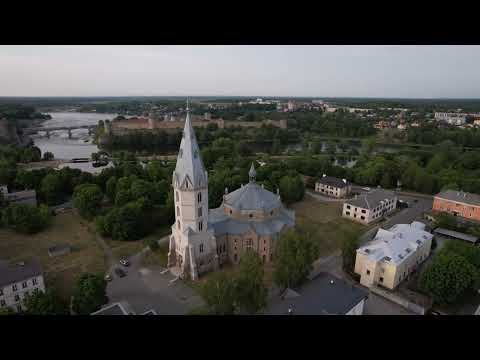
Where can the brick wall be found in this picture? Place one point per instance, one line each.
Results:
(456, 208)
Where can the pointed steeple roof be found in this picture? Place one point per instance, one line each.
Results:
(252, 174)
(189, 166)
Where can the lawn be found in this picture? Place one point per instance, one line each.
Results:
(62, 271)
(324, 223)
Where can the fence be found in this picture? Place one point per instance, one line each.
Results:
(417, 309)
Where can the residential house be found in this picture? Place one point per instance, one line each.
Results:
(393, 254)
(334, 187)
(370, 207)
(458, 203)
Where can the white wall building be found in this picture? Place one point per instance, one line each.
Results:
(451, 118)
(393, 254)
(18, 280)
(371, 206)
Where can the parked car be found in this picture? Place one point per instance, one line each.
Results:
(120, 273)
(366, 188)
(124, 262)
(108, 277)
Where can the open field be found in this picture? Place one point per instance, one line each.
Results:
(324, 224)
(62, 271)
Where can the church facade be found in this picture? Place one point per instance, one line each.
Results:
(250, 217)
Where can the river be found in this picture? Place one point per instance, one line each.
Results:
(80, 146)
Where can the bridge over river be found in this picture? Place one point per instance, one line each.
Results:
(47, 130)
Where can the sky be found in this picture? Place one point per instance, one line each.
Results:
(261, 70)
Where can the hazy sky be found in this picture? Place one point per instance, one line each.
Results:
(329, 71)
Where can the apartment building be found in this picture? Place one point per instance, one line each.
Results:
(452, 118)
(393, 254)
(458, 203)
(18, 280)
(332, 186)
(370, 207)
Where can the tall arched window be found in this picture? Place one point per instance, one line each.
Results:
(178, 224)
(176, 196)
(199, 197)
(178, 211)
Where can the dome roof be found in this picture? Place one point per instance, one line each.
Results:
(252, 197)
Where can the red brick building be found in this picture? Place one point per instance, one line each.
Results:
(458, 203)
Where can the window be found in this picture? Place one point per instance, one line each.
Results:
(348, 206)
(1, 292)
(178, 224)
(368, 272)
(14, 287)
(381, 279)
(250, 215)
(176, 196)
(34, 281)
(24, 285)
(199, 212)
(178, 211)
(347, 213)
(230, 211)
(263, 258)
(364, 211)
(355, 215)
(201, 248)
(200, 226)
(17, 297)
(235, 257)
(199, 197)
(362, 217)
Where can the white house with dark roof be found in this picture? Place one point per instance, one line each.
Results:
(370, 207)
(18, 280)
(250, 217)
(393, 254)
(332, 186)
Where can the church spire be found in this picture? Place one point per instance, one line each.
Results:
(252, 174)
(189, 170)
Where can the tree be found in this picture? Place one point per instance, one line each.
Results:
(89, 294)
(152, 244)
(26, 218)
(219, 294)
(349, 253)
(448, 277)
(292, 189)
(87, 199)
(446, 221)
(44, 303)
(51, 189)
(251, 293)
(6, 311)
(110, 188)
(294, 257)
(47, 156)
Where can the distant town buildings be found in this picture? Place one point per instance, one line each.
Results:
(458, 203)
(332, 186)
(323, 295)
(451, 118)
(17, 281)
(393, 255)
(370, 207)
(291, 105)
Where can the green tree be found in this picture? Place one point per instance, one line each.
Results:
(111, 187)
(219, 294)
(26, 218)
(349, 253)
(448, 277)
(6, 311)
(87, 199)
(47, 156)
(52, 189)
(446, 221)
(44, 303)
(294, 256)
(292, 189)
(89, 294)
(251, 293)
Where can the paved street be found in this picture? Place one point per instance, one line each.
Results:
(377, 305)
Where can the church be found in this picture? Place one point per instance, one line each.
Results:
(203, 239)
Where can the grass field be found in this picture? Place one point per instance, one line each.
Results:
(62, 271)
(324, 223)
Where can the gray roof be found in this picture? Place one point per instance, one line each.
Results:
(252, 197)
(456, 234)
(320, 297)
(223, 224)
(460, 196)
(118, 308)
(332, 181)
(189, 162)
(371, 199)
(24, 194)
(13, 273)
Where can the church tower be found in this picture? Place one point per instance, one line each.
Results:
(192, 247)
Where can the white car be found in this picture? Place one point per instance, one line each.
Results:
(108, 277)
(366, 188)
(124, 262)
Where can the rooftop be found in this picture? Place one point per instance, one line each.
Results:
(24, 194)
(371, 199)
(456, 234)
(397, 243)
(460, 196)
(118, 308)
(13, 273)
(333, 181)
(252, 197)
(324, 295)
